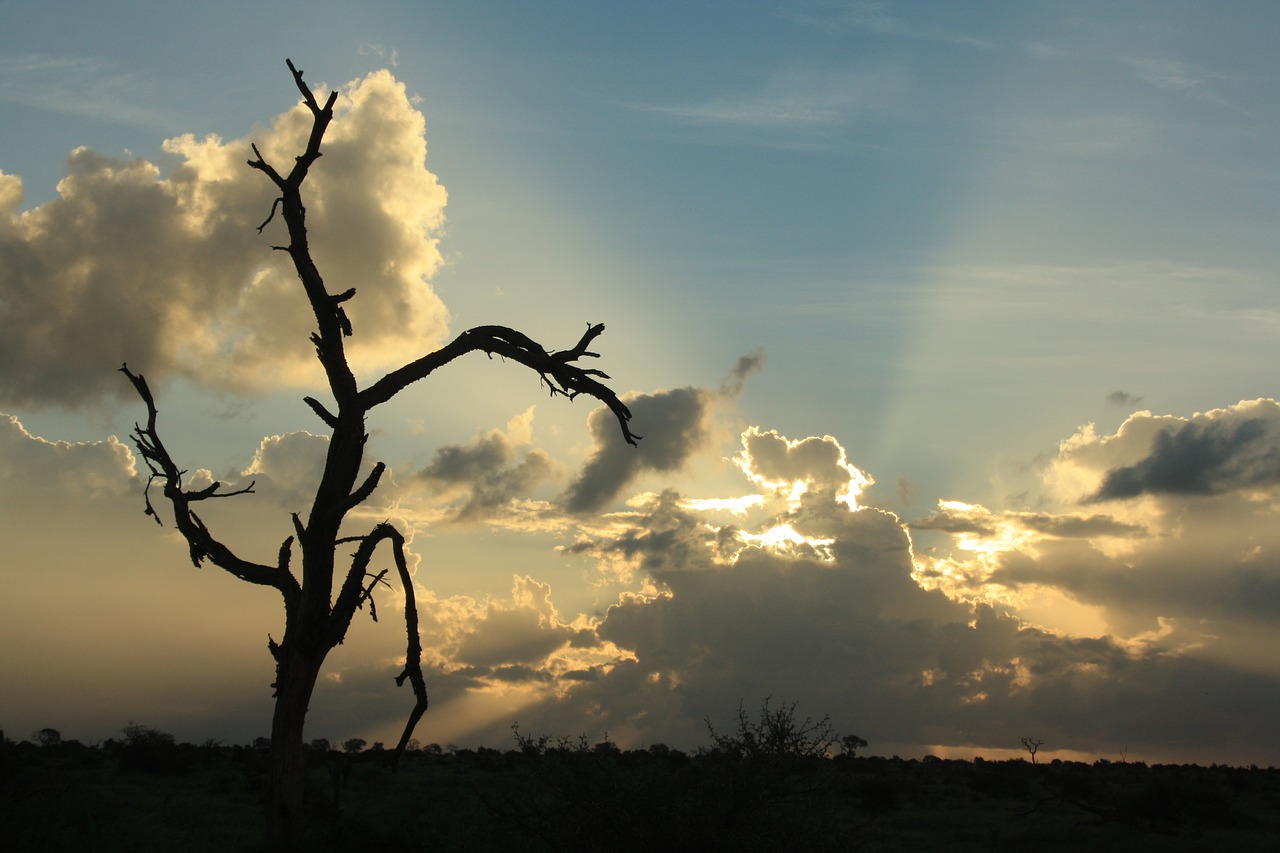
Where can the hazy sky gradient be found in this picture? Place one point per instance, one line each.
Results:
(948, 327)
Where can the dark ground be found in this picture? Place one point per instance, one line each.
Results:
(68, 797)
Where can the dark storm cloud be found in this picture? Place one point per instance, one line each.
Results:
(487, 474)
(674, 426)
(1206, 455)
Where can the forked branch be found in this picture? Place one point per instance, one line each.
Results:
(355, 592)
(202, 543)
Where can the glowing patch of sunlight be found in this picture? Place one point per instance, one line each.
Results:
(1021, 673)
(737, 506)
(459, 720)
(793, 489)
(1050, 609)
(996, 753)
(786, 539)
(1007, 537)
(931, 676)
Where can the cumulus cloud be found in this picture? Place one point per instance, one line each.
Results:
(796, 467)
(675, 424)
(483, 477)
(1186, 558)
(854, 632)
(858, 628)
(287, 468)
(1218, 451)
(165, 270)
(35, 471)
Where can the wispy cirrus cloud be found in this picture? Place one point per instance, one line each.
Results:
(1172, 75)
(887, 20)
(791, 98)
(83, 86)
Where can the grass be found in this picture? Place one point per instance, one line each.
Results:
(68, 797)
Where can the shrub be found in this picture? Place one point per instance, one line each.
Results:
(776, 733)
(151, 750)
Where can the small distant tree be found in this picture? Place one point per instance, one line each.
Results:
(352, 746)
(1032, 745)
(850, 744)
(320, 603)
(47, 737)
(775, 733)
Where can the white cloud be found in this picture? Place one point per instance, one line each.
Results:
(167, 272)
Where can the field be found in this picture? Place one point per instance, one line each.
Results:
(165, 796)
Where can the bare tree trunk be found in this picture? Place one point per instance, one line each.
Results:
(286, 819)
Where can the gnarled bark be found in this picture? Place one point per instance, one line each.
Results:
(315, 619)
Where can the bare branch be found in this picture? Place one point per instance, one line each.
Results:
(275, 204)
(201, 542)
(323, 413)
(361, 494)
(555, 369)
(262, 166)
(413, 649)
(368, 593)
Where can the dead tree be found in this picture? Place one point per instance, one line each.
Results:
(1032, 745)
(317, 615)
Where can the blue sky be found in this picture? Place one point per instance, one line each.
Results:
(948, 237)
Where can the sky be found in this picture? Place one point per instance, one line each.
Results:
(947, 327)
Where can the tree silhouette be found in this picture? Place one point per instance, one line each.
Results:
(316, 620)
(1032, 745)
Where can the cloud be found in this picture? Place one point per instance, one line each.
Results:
(796, 467)
(960, 518)
(860, 632)
(167, 271)
(113, 605)
(1122, 398)
(1219, 451)
(1174, 76)
(857, 636)
(877, 18)
(1186, 558)
(287, 468)
(792, 98)
(37, 472)
(674, 425)
(483, 477)
(79, 86)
